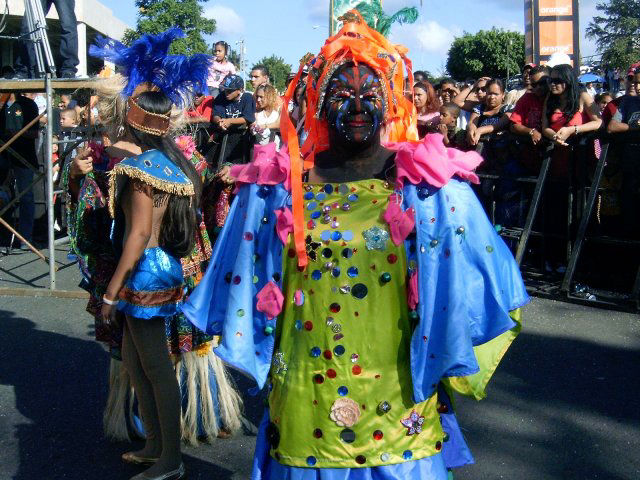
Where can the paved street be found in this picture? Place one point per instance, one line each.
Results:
(563, 404)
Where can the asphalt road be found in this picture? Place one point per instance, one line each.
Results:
(563, 404)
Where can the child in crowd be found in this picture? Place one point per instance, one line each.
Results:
(453, 136)
(220, 68)
(602, 100)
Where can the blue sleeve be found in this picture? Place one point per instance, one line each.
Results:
(468, 283)
(218, 107)
(247, 255)
(248, 108)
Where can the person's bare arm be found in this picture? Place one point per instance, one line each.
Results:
(618, 127)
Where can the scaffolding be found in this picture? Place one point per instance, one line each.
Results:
(47, 85)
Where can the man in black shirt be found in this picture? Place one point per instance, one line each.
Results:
(234, 110)
(15, 114)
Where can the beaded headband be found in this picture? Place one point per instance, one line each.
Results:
(147, 122)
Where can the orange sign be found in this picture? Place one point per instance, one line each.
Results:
(555, 8)
(556, 37)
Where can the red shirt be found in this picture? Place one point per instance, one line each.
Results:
(528, 111)
(205, 109)
(610, 110)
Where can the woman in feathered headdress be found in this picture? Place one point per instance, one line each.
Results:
(393, 291)
(210, 403)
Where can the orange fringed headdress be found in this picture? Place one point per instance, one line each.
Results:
(357, 43)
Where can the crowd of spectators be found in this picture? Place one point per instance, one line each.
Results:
(511, 128)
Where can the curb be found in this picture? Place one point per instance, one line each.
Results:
(33, 292)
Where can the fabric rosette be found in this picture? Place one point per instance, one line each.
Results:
(345, 412)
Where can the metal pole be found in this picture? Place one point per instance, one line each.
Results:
(331, 18)
(49, 169)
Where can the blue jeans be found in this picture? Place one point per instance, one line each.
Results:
(26, 60)
(24, 177)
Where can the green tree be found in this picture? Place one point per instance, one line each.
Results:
(377, 19)
(157, 16)
(234, 57)
(278, 70)
(617, 32)
(486, 53)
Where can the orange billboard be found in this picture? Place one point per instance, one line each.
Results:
(556, 37)
(551, 26)
(555, 8)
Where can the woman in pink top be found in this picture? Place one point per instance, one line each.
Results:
(220, 68)
(427, 104)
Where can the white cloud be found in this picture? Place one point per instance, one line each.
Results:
(430, 36)
(228, 22)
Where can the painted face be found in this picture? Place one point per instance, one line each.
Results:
(354, 105)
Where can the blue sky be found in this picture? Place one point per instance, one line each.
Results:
(291, 28)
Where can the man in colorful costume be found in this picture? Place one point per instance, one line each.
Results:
(210, 403)
(365, 297)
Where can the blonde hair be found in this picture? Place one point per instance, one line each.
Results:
(270, 96)
(112, 108)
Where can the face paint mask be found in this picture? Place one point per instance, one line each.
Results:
(354, 105)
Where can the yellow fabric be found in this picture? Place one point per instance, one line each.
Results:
(489, 356)
(377, 328)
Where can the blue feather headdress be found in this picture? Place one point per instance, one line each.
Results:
(147, 60)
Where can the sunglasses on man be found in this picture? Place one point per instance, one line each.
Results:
(540, 83)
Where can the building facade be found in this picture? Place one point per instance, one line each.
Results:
(94, 18)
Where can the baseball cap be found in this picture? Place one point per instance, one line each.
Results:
(559, 58)
(232, 82)
(632, 69)
(529, 65)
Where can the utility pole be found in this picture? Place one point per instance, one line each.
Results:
(508, 58)
(331, 32)
(242, 54)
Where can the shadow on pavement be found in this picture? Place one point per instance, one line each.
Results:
(558, 408)
(60, 387)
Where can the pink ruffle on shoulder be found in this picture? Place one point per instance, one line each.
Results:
(430, 161)
(269, 167)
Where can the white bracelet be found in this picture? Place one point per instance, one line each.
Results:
(107, 301)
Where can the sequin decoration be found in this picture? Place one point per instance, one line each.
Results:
(316, 274)
(317, 433)
(331, 373)
(311, 461)
(318, 379)
(308, 326)
(353, 198)
(327, 354)
(240, 312)
(361, 459)
(335, 236)
(392, 258)
(344, 391)
(359, 290)
(329, 321)
(334, 307)
(413, 423)
(343, 189)
(321, 197)
(298, 325)
(377, 435)
(311, 248)
(489, 249)
(278, 365)
(356, 370)
(407, 454)
(385, 457)
(339, 350)
(376, 238)
(315, 352)
(316, 215)
(347, 435)
(327, 253)
(298, 298)
(384, 407)
(347, 235)
(308, 196)
(248, 236)
(345, 289)
(312, 205)
(354, 357)
(385, 277)
(328, 188)
(346, 207)
(347, 253)
(336, 328)
(352, 272)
